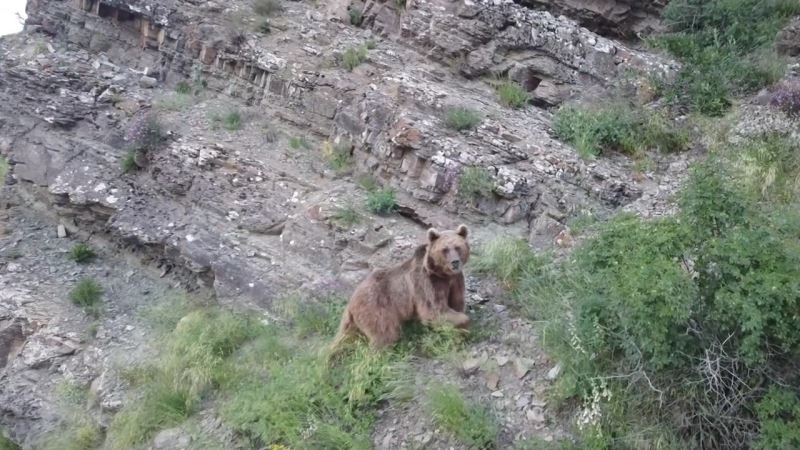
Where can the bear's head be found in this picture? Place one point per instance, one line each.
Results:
(447, 251)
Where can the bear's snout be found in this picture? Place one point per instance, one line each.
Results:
(455, 264)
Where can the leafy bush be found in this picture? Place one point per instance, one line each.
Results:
(146, 133)
(462, 118)
(298, 142)
(616, 128)
(87, 294)
(725, 47)
(474, 183)
(267, 7)
(356, 16)
(381, 201)
(779, 414)
(353, 57)
(82, 253)
(677, 317)
(339, 156)
(231, 120)
(129, 162)
(7, 444)
(346, 216)
(770, 167)
(183, 88)
(512, 94)
(3, 169)
(471, 424)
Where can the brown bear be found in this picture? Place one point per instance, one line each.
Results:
(428, 287)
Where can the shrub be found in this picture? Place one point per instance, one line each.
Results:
(471, 424)
(617, 128)
(146, 133)
(770, 167)
(353, 57)
(474, 183)
(677, 317)
(231, 121)
(82, 253)
(368, 182)
(267, 7)
(129, 162)
(7, 444)
(462, 118)
(381, 201)
(264, 26)
(779, 414)
(512, 94)
(298, 142)
(346, 216)
(725, 47)
(356, 16)
(3, 169)
(339, 156)
(183, 88)
(87, 294)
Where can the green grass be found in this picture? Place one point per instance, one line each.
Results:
(512, 94)
(725, 47)
(82, 253)
(368, 182)
(354, 57)
(356, 16)
(462, 118)
(87, 294)
(381, 201)
(339, 156)
(267, 7)
(346, 216)
(622, 128)
(231, 120)
(471, 424)
(475, 183)
(264, 26)
(4, 166)
(183, 88)
(716, 282)
(299, 142)
(7, 444)
(176, 101)
(129, 162)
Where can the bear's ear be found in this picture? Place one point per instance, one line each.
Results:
(433, 235)
(462, 230)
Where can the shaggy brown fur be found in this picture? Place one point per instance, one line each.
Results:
(428, 287)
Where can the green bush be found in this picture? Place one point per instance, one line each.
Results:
(679, 316)
(381, 201)
(770, 167)
(471, 424)
(779, 416)
(3, 169)
(87, 294)
(82, 253)
(346, 216)
(298, 142)
(512, 94)
(475, 183)
(129, 162)
(353, 57)
(231, 121)
(267, 7)
(356, 16)
(7, 444)
(462, 118)
(617, 128)
(725, 48)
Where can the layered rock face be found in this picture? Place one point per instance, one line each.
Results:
(621, 18)
(241, 213)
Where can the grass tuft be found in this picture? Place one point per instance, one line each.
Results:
(471, 424)
(82, 253)
(475, 183)
(298, 142)
(462, 118)
(353, 57)
(512, 94)
(346, 216)
(87, 294)
(267, 7)
(381, 201)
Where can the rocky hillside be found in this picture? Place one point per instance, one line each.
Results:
(244, 153)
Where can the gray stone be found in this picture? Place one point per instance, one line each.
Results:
(61, 231)
(148, 82)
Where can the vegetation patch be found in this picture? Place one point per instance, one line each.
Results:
(87, 294)
(267, 7)
(725, 47)
(298, 142)
(339, 156)
(231, 120)
(462, 118)
(593, 131)
(677, 332)
(356, 16)
(353, 57)
(512, 95)
(3, 169)
(475, 183)
(82, 253)
(471, 424)
(346, 216)
(381, 201)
